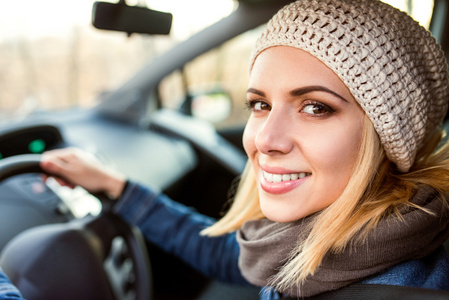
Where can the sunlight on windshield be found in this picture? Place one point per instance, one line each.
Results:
(36, 19)
(51, 57)
(33, 19)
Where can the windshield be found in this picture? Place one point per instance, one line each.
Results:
(51, 57)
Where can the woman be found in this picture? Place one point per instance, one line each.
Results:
(343, 184)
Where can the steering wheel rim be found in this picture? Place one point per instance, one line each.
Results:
(20, 164)
(95, 236)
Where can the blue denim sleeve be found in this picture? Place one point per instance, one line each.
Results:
(430, 272)
(7, 290)
(175, 228)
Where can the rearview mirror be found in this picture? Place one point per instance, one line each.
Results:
(130, 19)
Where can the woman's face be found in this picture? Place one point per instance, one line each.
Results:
(303, 134)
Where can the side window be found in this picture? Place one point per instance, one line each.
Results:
(420, 10)
(224, 68)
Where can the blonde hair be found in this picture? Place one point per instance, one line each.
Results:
(375, 189)
(244, 208)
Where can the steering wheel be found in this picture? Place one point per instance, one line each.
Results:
(91, 258)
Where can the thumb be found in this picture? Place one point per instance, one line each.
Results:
(55, 170)
(49, 166)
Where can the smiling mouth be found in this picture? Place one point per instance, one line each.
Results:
(275, 178)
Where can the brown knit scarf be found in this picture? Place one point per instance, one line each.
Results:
(265, 246)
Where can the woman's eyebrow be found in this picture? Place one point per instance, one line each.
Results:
(304, 90)
(301, 91)
(255, 91)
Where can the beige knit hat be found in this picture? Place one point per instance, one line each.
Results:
(392, 66)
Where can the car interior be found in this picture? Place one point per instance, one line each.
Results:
(58, 243)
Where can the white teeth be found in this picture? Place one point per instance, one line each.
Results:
(275, 178)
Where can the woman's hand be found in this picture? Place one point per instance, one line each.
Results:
(73, 167)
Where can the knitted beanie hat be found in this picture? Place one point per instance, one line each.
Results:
(391, 65)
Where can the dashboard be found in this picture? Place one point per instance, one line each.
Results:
(29, 140)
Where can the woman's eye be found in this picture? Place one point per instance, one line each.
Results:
(258, 105)
(316, 109)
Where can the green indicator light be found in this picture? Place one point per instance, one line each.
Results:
(37, 146)
(1, 156)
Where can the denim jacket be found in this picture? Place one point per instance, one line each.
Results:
(175, 228)
(7, 290)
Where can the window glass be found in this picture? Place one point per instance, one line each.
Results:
(227, 67)
(420, 10)
(224, 68)
(51, 57)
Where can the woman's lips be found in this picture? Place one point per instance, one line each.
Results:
(281, 183)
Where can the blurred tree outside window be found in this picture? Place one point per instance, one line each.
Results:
(51, 57)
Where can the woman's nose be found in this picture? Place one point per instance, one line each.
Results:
(273, 136)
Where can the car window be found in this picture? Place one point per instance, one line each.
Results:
(226, 67)
(420, 10)
(223, 68)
